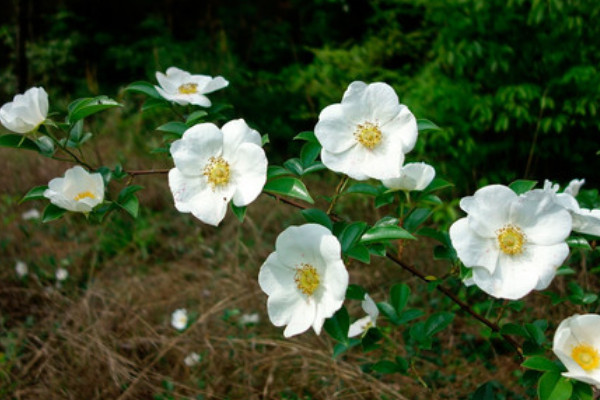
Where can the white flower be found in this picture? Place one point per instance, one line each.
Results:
(179, 319)
(584, 220)
(514, 244)
(413, 176)
(305, 278)
(26, 112)
(247, 319)
(368, 133)
(78, 191)
(577, 345)
(362, 325)
(214, 166)
(192, 359)
(21, 269)
(61, 274)
(184, 88)
(31, 214)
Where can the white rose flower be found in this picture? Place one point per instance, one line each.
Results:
(584, 220)
(21, 269)
(577, 345)
(514, 244)
(368, 133)
(61, 274)
(192, 359)
(413, 176)
(305, 278)
(184, 88)
(214, 166)
(370, 321)
(78, 191)
(179, 319)
(26, 112)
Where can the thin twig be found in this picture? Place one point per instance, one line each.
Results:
(338, 190)
(148, 172)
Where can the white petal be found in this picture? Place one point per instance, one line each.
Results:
(345, 163)
(382, 101)
(326, 306)
(472, 249)
(248, 173)
(275, 276)
(358, 327)
(334, 130)
(370, 307)
(574, 186)
(198, 144)
(302, 318)
(413, 176)
(281, 306)
(185, 188)
(210, 205)
(237, 132)
(301, 244)
(541, 219)
(354, 103)
(586, 221)
(216, 83)
(488, 209)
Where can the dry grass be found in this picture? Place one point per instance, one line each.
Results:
(106, 334)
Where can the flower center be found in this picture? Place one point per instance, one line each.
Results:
(511, 239)
(83, 195)
(307, 279)
(368, 134)
(586, 356)
(188, 88)
(217, 171)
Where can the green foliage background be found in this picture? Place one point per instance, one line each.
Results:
(514, 84)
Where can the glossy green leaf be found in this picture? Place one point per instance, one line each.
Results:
(416, 218)
(427, 125)
(386, 367)
(128, 191)
(437, 184)
(173, 127)
(337, 326)
(383, 233)
(399, 296)
(83, 108)
(362, 188)
(317, 216)
(34, 194)
(52, 212)
(132, 205)
(521, 186)
(359, 252)
(539, 363)
(143, 87)
(288, 186)
(437, 322)
(553, 386)
(309, 136)
(18, 142)
(295, 166)
(309, 153)
(355, 292)
(351, 234)
(195, 118)
(274, 171)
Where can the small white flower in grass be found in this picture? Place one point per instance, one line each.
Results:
(192, 359)
(21, 269)
(305, 278)
(577, 345)
(513, 244)
(370, 321)
(584, 220)
(26, 112)
(368, 133)
(214, 166)
(179, 319)
(31, 214)
(248, 319)
(413, 176)
(78, 191)
(184, 88)
(61, 274)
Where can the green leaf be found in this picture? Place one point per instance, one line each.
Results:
(126, 192)
(514, 329)
(437, 184)
(309, 153)
(294, 165)
(437, 322)
(195, 118)
(409, 315)
(239, 212)
(143, 87)
(355, 292)
(350, 235)
(370, 339)
(52, 212)
(578, 242)
(264, 139)
(383, 233)
(425, 125)
(521, 186)
(131, 205)
(553, 386)
(317, 216)
(539, 363)
(288, 186)
(317, 166)
(34, 194)
(274, 171)
(416, 218)
(82, 108)
(384, 199)
(173, 127)
(362, 188)
(338, 325)
(399, 296)
(359, 252)
(386, 367)
(389, 312)
(484, 392)
(582, 391)
(18, 142)
(309, 136)
(535, 333)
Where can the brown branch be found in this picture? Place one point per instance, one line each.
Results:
(148, 172)
(412, 270)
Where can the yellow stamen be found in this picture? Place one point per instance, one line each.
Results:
(83, 195)
(511, 239)
(217, 171)
(188, 88)
(307, 279)
(368, 134)
(586, 356)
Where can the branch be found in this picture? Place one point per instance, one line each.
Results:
(147, 172)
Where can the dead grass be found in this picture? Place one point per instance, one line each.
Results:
(106, 333)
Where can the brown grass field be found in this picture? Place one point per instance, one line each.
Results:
(105, 333)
